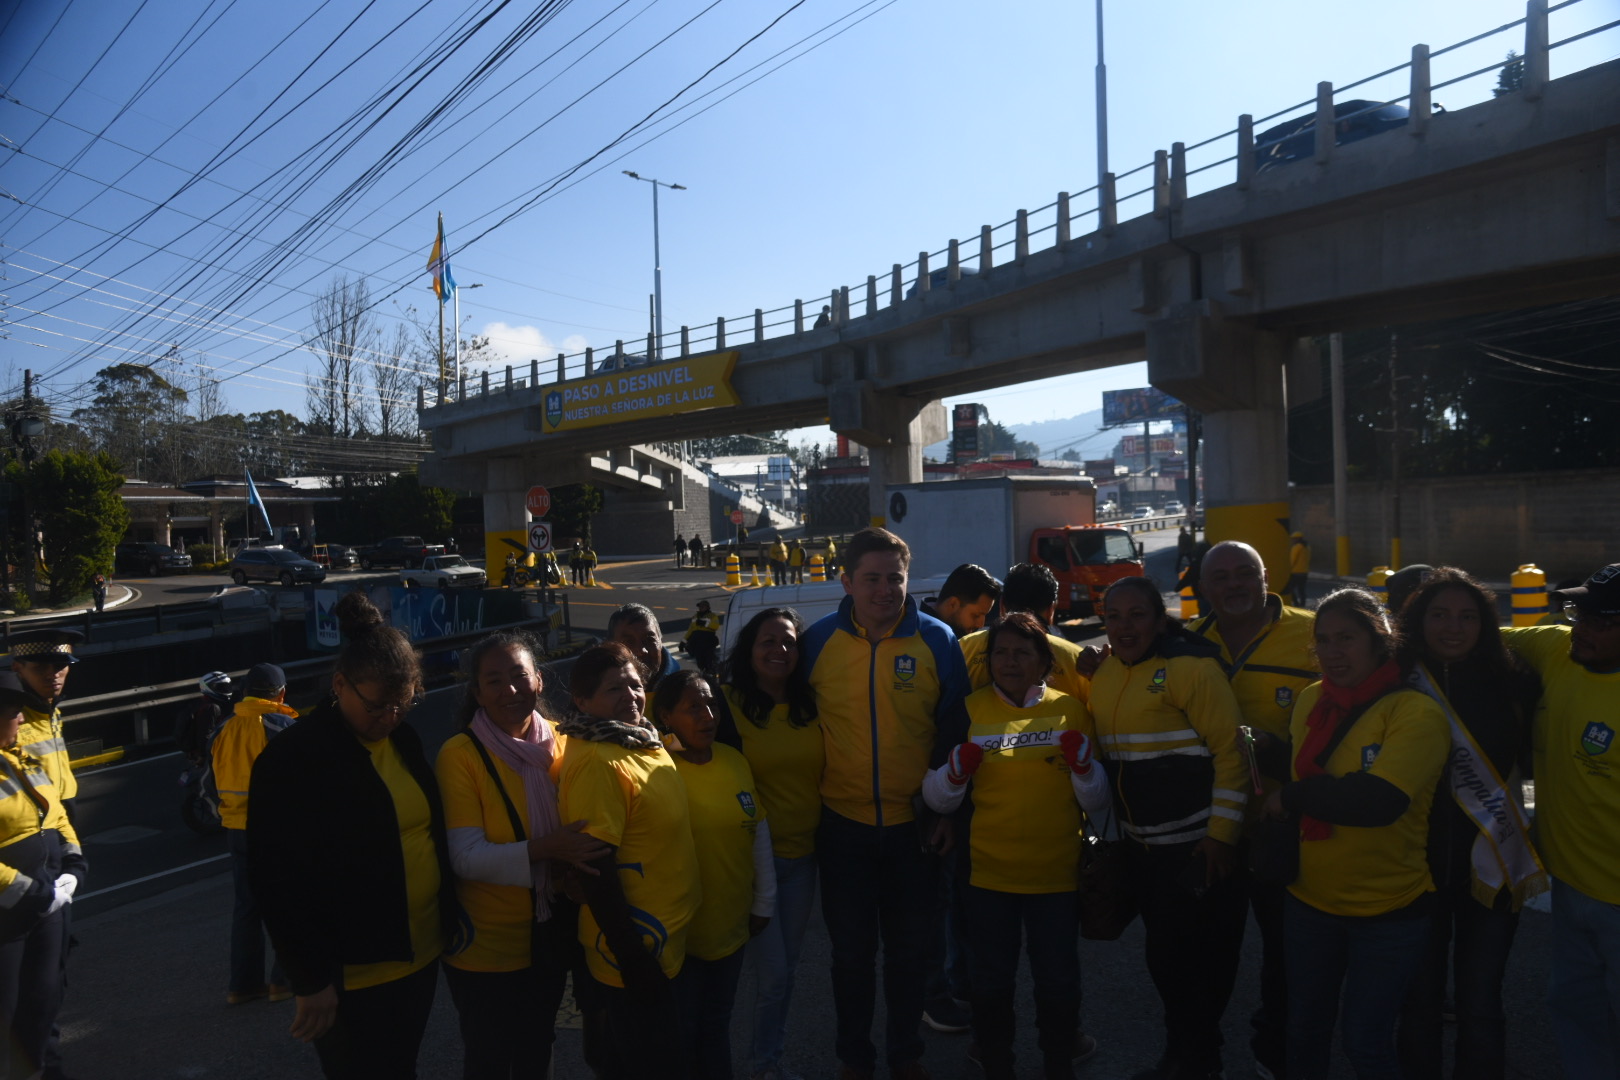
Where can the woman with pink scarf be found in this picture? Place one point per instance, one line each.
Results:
(508, 966)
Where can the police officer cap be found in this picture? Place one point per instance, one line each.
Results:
(11, 690)
(262, 680)
(53, 644)
(1404, 582)
(703, 605)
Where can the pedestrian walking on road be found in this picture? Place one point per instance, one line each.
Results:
(98, 592)
(1299, 569)
(618, 777)
(1578, 815)
(695, 546)
(1166, 727)
(42, 868)
(510, 849)
(680, 551)
(259, 716)
(1368, 751)
(769, 713)
(349, 859)
(576, 563)
(732, 833)
(1454, 651)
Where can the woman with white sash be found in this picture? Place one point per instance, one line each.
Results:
(1480, 854)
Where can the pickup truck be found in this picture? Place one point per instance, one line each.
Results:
(444, 572)
(406, 552)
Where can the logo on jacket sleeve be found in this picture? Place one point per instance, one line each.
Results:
(1156, 684)
(1369, 754)
(905, 668)
(1285, 697)
(1596, 738)
(746, 799)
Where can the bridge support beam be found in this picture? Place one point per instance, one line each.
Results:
(506, 515)
(894, 429)
(1233, 374)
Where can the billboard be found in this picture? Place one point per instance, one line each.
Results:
(1141, 403)
(1131, 445)
(965, 431)
(1100, 467)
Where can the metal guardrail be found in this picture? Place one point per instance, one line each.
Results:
(1163, 188)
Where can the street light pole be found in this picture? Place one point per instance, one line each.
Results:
(457, 295)
(658, 265)
(1102, 104)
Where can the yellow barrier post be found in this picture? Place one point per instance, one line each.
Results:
(818, 569)
(1377, 581)
(1529, 595)
(1189, 603)
(733, 571)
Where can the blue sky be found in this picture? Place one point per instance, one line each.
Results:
(129, 167)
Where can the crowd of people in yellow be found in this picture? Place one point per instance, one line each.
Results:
(940, 774)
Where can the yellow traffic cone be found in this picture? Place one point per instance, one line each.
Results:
(590, 576)
(755, 583)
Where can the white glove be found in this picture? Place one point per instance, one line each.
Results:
(64, 894)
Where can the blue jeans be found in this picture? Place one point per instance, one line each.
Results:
(776, 958)
(1366, 963)
(876, 883)
(708, 993)
(247, 927)
(1483, 937)
(997, 924)
(1583, 990)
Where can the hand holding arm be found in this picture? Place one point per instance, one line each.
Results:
(569, 843)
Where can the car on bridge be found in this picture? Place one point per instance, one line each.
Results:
(1142, 512)
(274, 564)
(1174, 509)
(1353, 121)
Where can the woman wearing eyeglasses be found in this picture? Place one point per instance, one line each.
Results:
(348, 858)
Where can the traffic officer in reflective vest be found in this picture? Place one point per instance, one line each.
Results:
(41, 868)
(40, 659)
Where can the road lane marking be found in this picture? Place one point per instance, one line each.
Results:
(149, 877)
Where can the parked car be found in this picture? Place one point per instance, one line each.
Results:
(332, 556)
(274, 564)
(444, 572)
(143, 557)
(402, 551)
(1353, 121)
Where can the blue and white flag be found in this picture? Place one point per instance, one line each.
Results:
(255, 500)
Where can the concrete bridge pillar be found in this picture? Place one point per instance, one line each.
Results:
(894, 429)
(1233, 374)
(506, 514)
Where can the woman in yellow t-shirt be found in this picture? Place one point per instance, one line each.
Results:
(618, 777)
(768, 711)
(509, 848)
(1368, 751)
(348, 858)
(734, 865)
(1019, 744)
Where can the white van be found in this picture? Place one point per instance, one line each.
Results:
(811, 601)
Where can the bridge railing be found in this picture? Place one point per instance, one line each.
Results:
(1156, 187)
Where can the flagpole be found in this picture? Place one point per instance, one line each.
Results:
(438, 249)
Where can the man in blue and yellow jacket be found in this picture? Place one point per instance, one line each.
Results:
(882, 672)
(260, 714)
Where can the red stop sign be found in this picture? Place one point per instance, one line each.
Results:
(538, 502)
(736, 517)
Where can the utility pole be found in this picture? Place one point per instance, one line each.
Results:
(1341, 486)
(1102, 105)
(1394, 458)
(25, 441)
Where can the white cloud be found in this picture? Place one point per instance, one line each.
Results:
(520, 344)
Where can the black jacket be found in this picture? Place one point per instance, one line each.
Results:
(325, 859)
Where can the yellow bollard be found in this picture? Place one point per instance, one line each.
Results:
(1377, 583)
(755, 583)
(1529, 595)
(1189, 603)
(733, 571)
(818, 569)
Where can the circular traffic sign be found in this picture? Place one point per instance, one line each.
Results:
(736, 517)
(539, 537)
(538, 501)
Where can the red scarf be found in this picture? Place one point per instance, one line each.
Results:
(1332, 709)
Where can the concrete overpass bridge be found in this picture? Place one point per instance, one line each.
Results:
(1509, 203)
